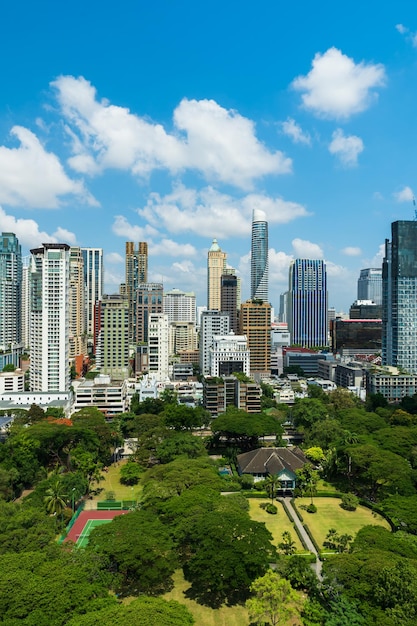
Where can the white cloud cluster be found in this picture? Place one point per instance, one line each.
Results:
(410, 36)
(32, 177)
(306, 249)
(352, 251)
(28, 233)
(346, 147)
(295, 132)
(207, 211)
(336, 87)
(219, 143)
(405, 195)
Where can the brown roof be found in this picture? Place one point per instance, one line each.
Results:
(271, 460)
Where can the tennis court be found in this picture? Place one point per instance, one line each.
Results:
(86, 521)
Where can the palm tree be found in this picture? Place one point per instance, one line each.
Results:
(54, 499)
(287, 544)
(272, 482)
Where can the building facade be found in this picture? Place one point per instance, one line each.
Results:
(49, 318)
(180, 306)
(259, 257)
(399, 297)
(10, 292)
(229, 354)
(216, 266)
(229, 299)
(255, 323)
(307, 303)
(149, 300)
(212, 323)
(136, 273)
(370, 285)
(112, 352)
(93, 284)
(77, 311)
(158, 346)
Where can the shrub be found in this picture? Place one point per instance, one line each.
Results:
(246, 481)
(110, 496)
(311, 508)
(260, 485)
(271, 508)
(349, 502)
(263, 505)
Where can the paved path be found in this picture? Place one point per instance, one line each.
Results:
(310, 546)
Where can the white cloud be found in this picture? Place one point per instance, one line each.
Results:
(114, 258)
(294, 130)
(32, 177)
(409, 35)
(28, 233)
(336, 87)
(65, 236)
(405, 195)
(401, 29)
(210, 212)
(306, 249)
(122, 228)
(172, 248)
(352, 251)
(346, 148)
(219, 143)
(279, 263)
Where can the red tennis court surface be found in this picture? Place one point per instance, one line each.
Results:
(83, 518)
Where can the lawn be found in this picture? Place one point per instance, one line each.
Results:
(331, 515)
(111, 482)
(276, 524)
(203, 615)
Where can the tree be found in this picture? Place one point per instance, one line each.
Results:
(55, 500)
(130, 473)
(228, 551)
(242, 429)
(182, 417)
(139, 549)
(307, 479)
(287, 545)
(179, 444)
(274, 601)
(315, 454)
(306, 411)
(143, 611)
(272, 484)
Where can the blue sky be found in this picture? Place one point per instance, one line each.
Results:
(170, 122)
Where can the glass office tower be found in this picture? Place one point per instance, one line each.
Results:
(259, 257)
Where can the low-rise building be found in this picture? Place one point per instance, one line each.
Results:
(109, 398)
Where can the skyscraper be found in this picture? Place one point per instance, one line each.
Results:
(136, 273)
(212, 323)
(112, 353)
(77, 311)
(49, 318)
(10, 292)
(228, 300)
(216, 265)
(180, 306)
(149, 299)
(259, 257)
(255, 323)
(307, 303)
(399, 297)
(370, 285)
(93, 283)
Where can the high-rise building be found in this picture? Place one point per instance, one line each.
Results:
(399, 297)
(212, 323)
(229, 299)
(370, 285)
(49, 318)
(180, 306)
(307, 303)
(259, 257)
(25, 308)
(158, 346)
(112, 351)
(149, 299)
(136, 274)
(10, 292)
(216, 265)
(229, 354)
(255, 323)
(77, 312)
(93, 284)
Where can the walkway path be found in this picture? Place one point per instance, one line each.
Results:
(307, 541)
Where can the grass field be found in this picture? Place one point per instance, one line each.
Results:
(203, 615)
(276, 524)
(331, 515)
(111, 482)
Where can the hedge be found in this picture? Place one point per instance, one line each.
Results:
(313, 541)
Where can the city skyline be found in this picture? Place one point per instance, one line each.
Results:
(164, 138)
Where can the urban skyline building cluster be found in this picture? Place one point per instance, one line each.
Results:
(57, 302)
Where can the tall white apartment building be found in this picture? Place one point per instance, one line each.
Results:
(158, 346)
(182, 336)
(229, 354)
(26, 302)
(93, 283)
(180, 306)
(77, 312)
(49, 318)
(10, 291)
(212, 323)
